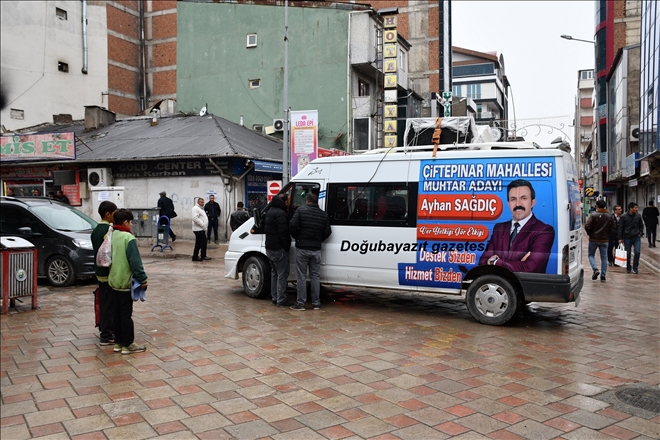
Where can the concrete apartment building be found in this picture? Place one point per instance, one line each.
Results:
(51, 64)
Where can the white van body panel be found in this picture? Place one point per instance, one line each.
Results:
(461, 192)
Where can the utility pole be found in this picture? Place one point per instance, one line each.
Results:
(285, 140)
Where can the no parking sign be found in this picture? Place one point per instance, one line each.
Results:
(273, 188)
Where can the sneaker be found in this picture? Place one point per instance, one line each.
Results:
(635, 272)
(595, 275)
(133, 348)
(206, 258)
(317, 306)
(117, 348)
(603, 278)
(108, 341)
(196, 259)
(297, 307)
(628, 271)
(173, 239)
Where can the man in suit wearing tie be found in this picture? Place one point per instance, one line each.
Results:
(522, 244)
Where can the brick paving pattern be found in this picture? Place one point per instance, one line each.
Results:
(370, 364)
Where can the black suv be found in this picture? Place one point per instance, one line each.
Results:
(61, 235)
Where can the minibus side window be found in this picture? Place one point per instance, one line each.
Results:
(296, 193)
(372, 204)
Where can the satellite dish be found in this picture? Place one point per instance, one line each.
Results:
(496, 134)
(202, 112)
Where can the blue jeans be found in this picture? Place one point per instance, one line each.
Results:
(312, 259)
(603, 256)
(279, 272)
(213, 227)
(635, 243)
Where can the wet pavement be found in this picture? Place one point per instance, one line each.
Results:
(369, 364)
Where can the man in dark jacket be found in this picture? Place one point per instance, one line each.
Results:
(106, 211)
(212, 210)
(650, 216)
(629, 230)
(599, 226)
(238, 217)
(167, 209)
(614, 239)
(278, 243)
(310, 227)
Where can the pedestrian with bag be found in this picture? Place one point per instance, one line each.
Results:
(630, 230)
(613, 238)
(310, 226)
(650, 216)
(126, 263)
(278, 244)
(167, 209)
(200, 224)
(238, 217)
(599, 226)
(212, 210)
(106, 210)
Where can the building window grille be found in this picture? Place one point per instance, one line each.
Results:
(251, 40)
(61, 14)
(255, 83)
(363, 88)
(15, 113)
(62, 67)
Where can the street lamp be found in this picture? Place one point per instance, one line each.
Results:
(568, 37)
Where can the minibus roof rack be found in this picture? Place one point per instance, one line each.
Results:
(454, 147)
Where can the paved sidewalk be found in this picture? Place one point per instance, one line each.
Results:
(370, 364)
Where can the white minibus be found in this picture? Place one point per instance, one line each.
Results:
(498, 223)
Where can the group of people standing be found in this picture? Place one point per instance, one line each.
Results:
(606, 231)
(205, 220)
(309, 226)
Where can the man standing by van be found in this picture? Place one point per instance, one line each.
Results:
(599, 226)
(524, 243)
(199, 225)
(630, 230)
(278, 243)
(310, 226)
(238, 217)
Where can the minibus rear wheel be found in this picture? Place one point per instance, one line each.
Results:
(256, 277)
(492, 300)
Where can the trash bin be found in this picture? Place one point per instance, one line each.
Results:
(18, 278)
(163, 236)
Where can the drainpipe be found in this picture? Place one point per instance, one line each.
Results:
(84, 35)
(143, 73)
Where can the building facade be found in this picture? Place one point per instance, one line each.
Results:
(482, 77)
(586, 155)
(52, 65)
(649, 99)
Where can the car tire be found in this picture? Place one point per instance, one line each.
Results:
(256, 277)
(60, 271)
(492, 300)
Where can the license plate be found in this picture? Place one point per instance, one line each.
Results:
(571, 256)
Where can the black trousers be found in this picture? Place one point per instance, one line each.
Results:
(200, 244)
(650, 234)
(613, 243)
(122, 317)
(213, 226)
(105, 306)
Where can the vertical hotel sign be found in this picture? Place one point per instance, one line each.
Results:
(389, 70)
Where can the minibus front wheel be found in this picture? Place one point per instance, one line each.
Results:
(492, 300)
(256, 277)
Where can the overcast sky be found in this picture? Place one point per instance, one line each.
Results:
(541, 67)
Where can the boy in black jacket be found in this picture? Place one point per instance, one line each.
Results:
(106, 211)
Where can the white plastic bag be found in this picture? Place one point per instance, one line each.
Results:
(104, 255)
(620, 256)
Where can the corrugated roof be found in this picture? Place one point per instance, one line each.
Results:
(175, 136)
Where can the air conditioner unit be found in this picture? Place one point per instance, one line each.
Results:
(278, 124)
(634, 133)
(99, 177)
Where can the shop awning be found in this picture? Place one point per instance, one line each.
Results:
(261, 166)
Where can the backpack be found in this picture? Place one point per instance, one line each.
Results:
(104, 255)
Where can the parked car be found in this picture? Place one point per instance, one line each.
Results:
(60, 233)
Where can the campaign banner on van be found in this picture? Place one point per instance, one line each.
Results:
(494, 211)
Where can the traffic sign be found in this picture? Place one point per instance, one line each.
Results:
(273, 188)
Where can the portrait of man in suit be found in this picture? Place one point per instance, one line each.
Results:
(524, 243)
